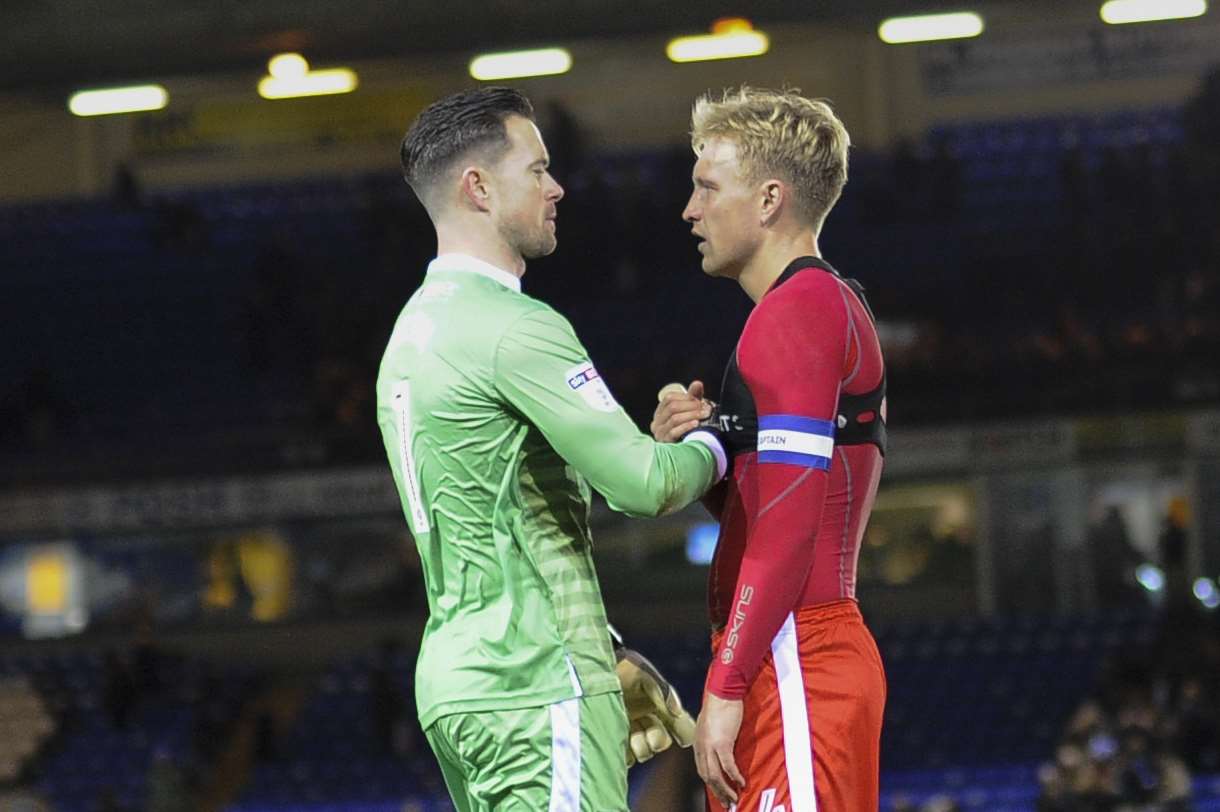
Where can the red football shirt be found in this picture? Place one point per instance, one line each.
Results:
(796, 505)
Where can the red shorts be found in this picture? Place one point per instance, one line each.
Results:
(811, 729)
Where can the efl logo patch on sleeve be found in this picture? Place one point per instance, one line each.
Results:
(796, 440)
(585, 380)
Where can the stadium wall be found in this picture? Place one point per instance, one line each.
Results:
(622, 93)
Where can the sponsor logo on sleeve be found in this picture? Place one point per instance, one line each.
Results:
(437, 291)
(584, 380)
(735, 623)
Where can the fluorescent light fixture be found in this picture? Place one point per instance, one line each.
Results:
(291, 78)
(314, 83)
(112, 100)
(930, 27)
(732, 38)
(1117, 12)
(287, 66)
(520, 64)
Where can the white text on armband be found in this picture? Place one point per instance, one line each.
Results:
(805, 441)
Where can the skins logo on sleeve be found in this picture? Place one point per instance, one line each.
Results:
(585, 380)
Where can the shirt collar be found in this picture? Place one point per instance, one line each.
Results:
(469, 264)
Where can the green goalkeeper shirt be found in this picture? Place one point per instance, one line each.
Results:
(496, 424)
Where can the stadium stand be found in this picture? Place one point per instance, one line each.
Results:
(304, 279)
(137, 729)
(302, 282)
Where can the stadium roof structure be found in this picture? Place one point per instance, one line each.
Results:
(47, 44)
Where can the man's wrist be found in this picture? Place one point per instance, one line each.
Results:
(713, 440)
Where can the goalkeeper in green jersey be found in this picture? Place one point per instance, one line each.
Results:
(497, 427)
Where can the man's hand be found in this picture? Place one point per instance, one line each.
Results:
(678, 412)
(654, 710)
(715, 738)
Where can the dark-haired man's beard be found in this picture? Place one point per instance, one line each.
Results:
(530, 243)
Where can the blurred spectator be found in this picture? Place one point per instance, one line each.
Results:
(1201, 122)
(564, 139)
(108, 801)
(909, 172)
(126, 190)
(1074, 184)
(1114, 561)
(266, 738)
(1151, 721)
(1197, 725)
(211, 714)
(272, 317)
(119, 690)
(146, 660)
(23, 800)
(37, 412)
(225, 591)
(167, 786)
(946, 180)
(181, 227)
(392, 714)
(343, 396)
(1179, 600)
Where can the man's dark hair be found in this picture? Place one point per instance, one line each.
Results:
(452, 127)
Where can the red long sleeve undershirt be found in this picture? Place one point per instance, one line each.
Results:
(798, 347)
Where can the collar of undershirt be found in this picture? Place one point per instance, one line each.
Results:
(468, 264)
(800, 264)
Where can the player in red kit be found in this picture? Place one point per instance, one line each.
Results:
(792, 708)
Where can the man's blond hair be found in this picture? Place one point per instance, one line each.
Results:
(781, 134)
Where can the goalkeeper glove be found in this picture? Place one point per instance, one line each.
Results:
(654, 711)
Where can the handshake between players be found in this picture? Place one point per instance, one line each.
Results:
(497, 428)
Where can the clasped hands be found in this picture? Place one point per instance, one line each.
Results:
(679, 410)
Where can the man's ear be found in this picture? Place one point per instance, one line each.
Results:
(476, 188)
(772, 197)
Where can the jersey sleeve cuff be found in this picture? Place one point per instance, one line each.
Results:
(710, 438)
(724, 683)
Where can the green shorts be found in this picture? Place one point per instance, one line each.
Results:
(566, 757)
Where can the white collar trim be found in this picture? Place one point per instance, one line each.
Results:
(469, 264)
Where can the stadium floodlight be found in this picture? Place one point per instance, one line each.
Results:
(112, 100)
(291, 78)
(930, 27)
(731, 38)
(1118, 12)
(287, 66)
(1150, 577)
(1205, 590)
(520, 64)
